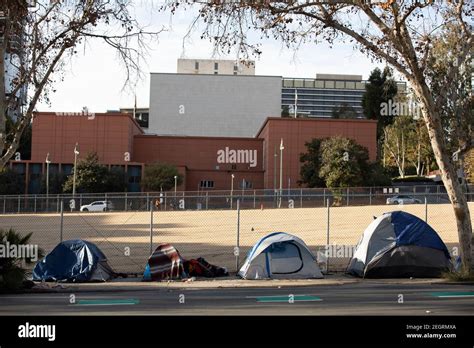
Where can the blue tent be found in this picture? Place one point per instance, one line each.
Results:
(398, 244)
(73, 261)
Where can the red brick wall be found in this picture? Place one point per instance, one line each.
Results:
(110, 135)
(199, 156)
(296, 132)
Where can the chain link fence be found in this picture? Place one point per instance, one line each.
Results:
(222, 237)
(226, 200)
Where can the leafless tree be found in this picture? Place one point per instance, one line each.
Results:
(38, 41)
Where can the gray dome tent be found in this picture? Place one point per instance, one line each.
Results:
(280, 256)
(399, 245)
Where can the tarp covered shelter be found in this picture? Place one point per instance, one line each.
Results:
(74, 261)
(280, 255)
(398, 245)
(164, 264)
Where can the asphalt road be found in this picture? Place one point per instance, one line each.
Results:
(348, 299)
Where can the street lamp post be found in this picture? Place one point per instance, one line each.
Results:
(175, 185)
(76, 153)
(281, 171)
(47, 181)
(232, 190)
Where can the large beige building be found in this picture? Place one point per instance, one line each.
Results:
(215, 66)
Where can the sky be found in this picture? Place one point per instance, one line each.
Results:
(94, 77)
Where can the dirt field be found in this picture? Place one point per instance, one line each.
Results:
(125, 237)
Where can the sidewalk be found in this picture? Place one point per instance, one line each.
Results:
(135, 284)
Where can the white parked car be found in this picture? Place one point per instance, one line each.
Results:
(98, 206)
(402, 199)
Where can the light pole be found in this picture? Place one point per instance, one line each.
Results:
(232, 190)
(281, 171)
(47, 181)
(175, 185)
(76, 153)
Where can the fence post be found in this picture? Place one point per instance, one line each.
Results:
(151, 229)
(19, 204)
(347, 199)
(324, 197)
(57, 204)
(126, 203)
(426, 210)
(35, 204)
(147, 201)
(4, 204)
(61, 223)
(237, 249)
(207, 200)
(254, 199)
(327, 234)
(370, 196)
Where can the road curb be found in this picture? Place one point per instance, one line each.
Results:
(223, 284)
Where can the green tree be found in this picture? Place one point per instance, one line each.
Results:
(160, 176)
(377, 176)
(380, 88)
(406, 142)
(311, 163)
(285, 111)
(116, 180)
(344, 111)
(10, 182)
(344, 163)
(56, 183)
(93, 177)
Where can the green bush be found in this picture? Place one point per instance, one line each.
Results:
(12, 274)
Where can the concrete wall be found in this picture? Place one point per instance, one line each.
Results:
(207, 66)
(212, 105)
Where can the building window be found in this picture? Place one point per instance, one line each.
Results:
(196, 65)
(245, 185)
(206, 184)
(216, 66)
(134, 179)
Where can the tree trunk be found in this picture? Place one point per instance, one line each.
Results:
(448, 174)
(3, 99)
